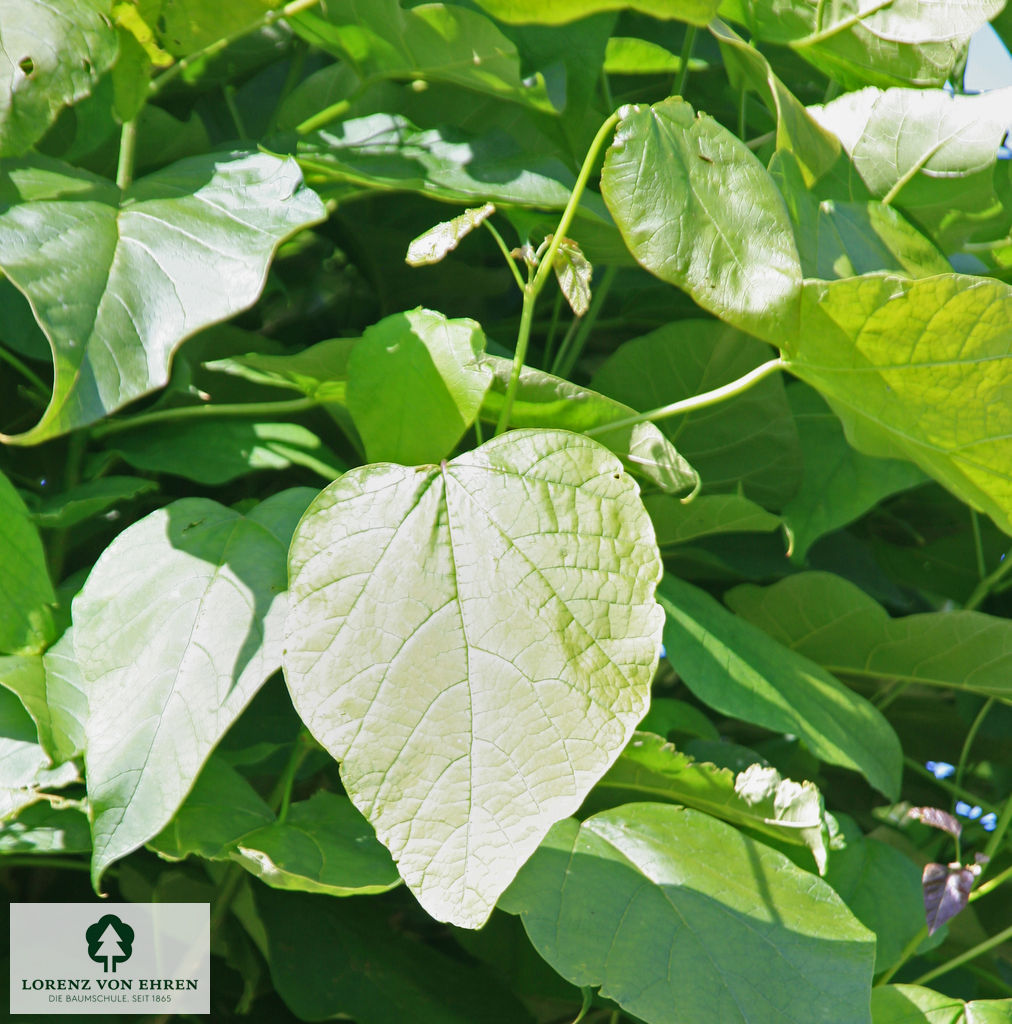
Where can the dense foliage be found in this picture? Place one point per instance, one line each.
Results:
(510, 501)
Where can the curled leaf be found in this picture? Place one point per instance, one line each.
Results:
(936, 818)
(946, 891)
(573, 272)
(432, 246)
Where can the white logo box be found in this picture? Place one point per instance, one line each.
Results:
(69, 958)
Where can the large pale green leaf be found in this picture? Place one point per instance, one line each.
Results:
(26, 595)
(697, 209)
(870, 42)
(185, 26)
(913, 1004)
(179, 250)
(324, 845)
(475, 643)
(175, 630)
(61, 712)
(737, 669)
(546, 401)
(839, 483)
(216, 451)
(433, 42)
(559, 12)
(920, 370)
(758, 798)
(676, 522)
(749, 442)
(943, 159)
(837, 625)
(415, 384)
(681, 919)
(52, 54)
(333, 958)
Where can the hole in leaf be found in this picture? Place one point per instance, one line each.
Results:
(86, 64)
(27, 65)
(160, 24)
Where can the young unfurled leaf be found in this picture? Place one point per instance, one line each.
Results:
(946, 890)
(474, 642)
(432, 245)
(573, 272)
(937, 818)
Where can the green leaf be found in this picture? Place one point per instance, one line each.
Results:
(839, 484)
(324, 846)
(415, 384)
(186, 26)
(433, 245)
(546, 401)
(77, 504)
(434, 42)
(676, 522)
(61, 713)
(738, 670)
(641, 898)
(52, 54)
(628, 55)
(41, 829)
(815, 148)
(758, 798)
(175, 630)
(524, 573)
(216, 451)
(217, 813)
(697, 209)
(26, 676)
(919, 370)
(179, 250)
(749, 442)
(667, 715)
(26, 597)
(827, 619)
(573, 272)
(342, 958)
(883, 889)
(907, 42)
(942, 161)
(912, 1004)
(559, 12)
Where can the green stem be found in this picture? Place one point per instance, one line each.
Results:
(574, 326)
(186, 412)
(988, 583)
(281, 796)
(212, 49)
(890, 694)
(553, 327)
(683, 72)
(323, 117)
(127, 151)
(970, 954)
(908, 951)
(588, 999)
(991, 884)
(1000, 828)
(963, 794)
(965, 752)
(567, 359)
(533, 287)
(504, 249)
(221, 901)
(76, 445)
(295, 69)
(228, 92)
(742, 114)
(25, 371)
(978, 544)
(707, 398)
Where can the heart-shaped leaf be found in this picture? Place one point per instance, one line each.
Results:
(912, 1004)
(475, 643)
(146, 268)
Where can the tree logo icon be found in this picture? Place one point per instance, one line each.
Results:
(110, 942)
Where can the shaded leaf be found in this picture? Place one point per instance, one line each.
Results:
(178, 625)
(839, 484)
(837, 625)
(640, 898)
(912, 1004)
(216, 451)
(946, 889)
(40, 828)
(560, 12)
(524, 573)
(573, 272)
(697, 209)
(737, 669)
(26, 597)
(549, 402)
(52, 54)
(333, 958)
(76, 504)
(217, 813)
(434, 42)
(650, 769)
(676, 522)
(748, 443)
(918, 369)
(667, 715)
(64, 708)
(937, 818)
(179, 250)
(434, 244)
(324, 846)
(415, 383)
(186, 26)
